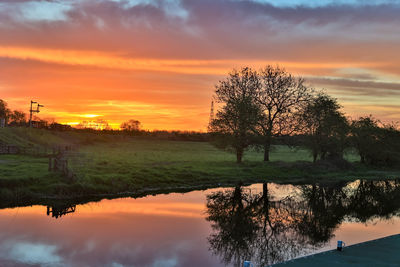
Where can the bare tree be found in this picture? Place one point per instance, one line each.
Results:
(98, 125)
(4, 111)
(18, 118)
(130, 126)
(236, 120)
(281, 97)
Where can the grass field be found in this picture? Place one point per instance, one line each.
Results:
(114, 164)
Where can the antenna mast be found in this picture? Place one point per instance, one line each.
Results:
(211, 114)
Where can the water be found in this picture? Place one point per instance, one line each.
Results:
(219, 227)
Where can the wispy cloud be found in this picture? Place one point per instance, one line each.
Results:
(168, 53)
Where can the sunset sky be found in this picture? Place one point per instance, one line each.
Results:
(158, 61)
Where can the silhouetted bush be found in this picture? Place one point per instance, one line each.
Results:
(379, 146)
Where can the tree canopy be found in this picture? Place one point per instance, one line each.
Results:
(281, 98)
(326, 127)
(237, 119)
(130, 126)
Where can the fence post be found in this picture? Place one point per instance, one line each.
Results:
(65, 165)
(50, 168)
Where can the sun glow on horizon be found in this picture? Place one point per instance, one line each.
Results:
(89, 115)
(109, 60)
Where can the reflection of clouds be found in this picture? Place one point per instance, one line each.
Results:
(166, 230)
(144, 232)
(165, 263)
(30, 253)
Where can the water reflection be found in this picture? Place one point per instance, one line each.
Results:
(267, 230)
(56, 211)
(264, 223)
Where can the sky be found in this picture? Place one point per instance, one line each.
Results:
(158, 61)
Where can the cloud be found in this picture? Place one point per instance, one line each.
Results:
(166, 54)
(31, 253)
(212, 29)
(358, 87)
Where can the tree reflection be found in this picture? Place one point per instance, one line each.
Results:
(268, 230)
(234, 224)
(320, 212)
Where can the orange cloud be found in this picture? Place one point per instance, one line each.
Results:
(115, 61)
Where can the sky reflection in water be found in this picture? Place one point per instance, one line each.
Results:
(185, 229)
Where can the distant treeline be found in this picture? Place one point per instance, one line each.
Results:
(157, 134)
(15, 118)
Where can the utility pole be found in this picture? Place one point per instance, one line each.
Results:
(32, 110)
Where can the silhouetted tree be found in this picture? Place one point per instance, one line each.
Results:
(235, 121)
(4, 111)
(17, 118)
(98, 124)
(130, 126)
(365, 135)
(326, 127)
(376, 145)
(389, 152)
(281, 97)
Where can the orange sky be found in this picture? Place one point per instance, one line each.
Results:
(158, 61)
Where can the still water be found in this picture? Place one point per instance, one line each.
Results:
(264, 223)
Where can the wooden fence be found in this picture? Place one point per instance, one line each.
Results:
(58, 159)
(35, 150)
(58, 162)
(9, 149)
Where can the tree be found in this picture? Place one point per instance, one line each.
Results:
(390, 148)
(364, 136)
(130, 126)
(98, 125)
(281, 97)
(235, 122)
(4, 111)
(326, 127)
(17, 118)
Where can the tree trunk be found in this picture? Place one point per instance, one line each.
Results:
(315, 155)
(239, 155)
(265, 196)
(267, 148)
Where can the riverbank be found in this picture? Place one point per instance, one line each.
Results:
(121, 165)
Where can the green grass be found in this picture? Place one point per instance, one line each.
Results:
(138, 164)
(41, 138)
(113, 164)
(22, 167)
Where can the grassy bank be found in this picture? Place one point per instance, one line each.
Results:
(115, 164)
